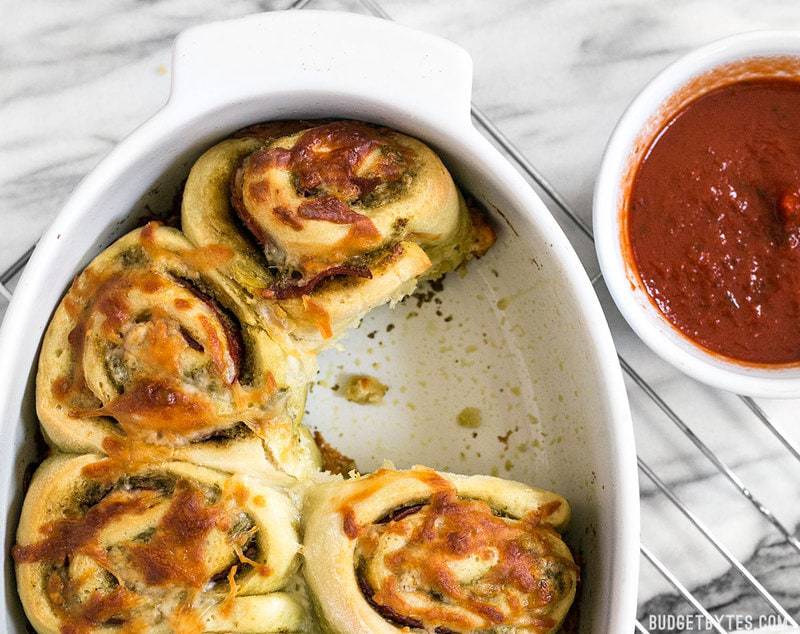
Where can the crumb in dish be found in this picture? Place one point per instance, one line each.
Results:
(364, 390)
(469, 417)
(333, 460)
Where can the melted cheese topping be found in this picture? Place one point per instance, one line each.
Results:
(452, 565)
(141, 555)
(156, 354)
(309, 197)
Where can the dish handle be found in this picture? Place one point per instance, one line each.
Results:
(376, 62)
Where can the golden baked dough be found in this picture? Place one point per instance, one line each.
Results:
(150, 356)
(329, 221)
(426, 551)
(168, 548)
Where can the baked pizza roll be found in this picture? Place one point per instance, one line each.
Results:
(152, 356)
(420, 550)
(167, 548)
(329, 220)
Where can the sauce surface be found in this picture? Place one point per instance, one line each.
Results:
(714, 221)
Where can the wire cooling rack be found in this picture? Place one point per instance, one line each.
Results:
(513, 153)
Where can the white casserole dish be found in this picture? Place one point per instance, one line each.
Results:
(527, 344)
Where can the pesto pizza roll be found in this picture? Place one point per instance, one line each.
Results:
(329, 220)
(420, 550)
(151, 356)
(167, 548)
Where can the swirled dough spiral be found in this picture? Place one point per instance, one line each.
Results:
(167, 548)
(329, 220)
(150, 355)
(426, 551)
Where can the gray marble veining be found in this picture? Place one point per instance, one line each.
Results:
(555, 75)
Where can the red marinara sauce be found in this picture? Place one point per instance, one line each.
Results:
(713, 221)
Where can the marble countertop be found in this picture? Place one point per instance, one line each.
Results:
(76, 78)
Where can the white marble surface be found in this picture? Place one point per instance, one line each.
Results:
(75, 78)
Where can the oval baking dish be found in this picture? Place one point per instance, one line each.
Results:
(521, 338)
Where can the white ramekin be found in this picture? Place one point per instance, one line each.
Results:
(681, 81)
